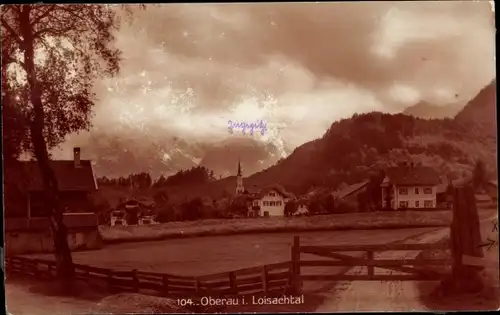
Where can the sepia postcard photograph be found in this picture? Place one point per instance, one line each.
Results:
(285, 157)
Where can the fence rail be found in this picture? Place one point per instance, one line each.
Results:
(273, 278)
(415, 269)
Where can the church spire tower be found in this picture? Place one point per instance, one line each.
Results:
(239, 180)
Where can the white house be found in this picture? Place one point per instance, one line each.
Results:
(269, 202)
(266, 202)
(272, 201)
(409, 186)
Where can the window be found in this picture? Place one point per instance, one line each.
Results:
(264, 203)
(428, 204)
(416, 191)
(403, 191)
(417, 203)
(427, 190)
(403, 204)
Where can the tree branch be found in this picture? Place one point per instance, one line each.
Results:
(50, 9)
(12, 32)
(52, 31)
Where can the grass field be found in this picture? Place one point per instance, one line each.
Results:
(207, 255)
(212, 227)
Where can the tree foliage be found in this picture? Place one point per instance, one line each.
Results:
(135, 180)
(52, 55)
(71, 47)
(194, 175)
(290, 208)
(479, 177)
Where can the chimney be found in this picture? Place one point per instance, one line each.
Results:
(76, 156)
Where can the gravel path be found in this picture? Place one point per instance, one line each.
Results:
(21, 300)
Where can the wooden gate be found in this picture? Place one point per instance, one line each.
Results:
(366, 257)
(464, 244)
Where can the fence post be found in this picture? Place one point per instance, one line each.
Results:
(135, 279)
(296, 281)
(264, 279)
(110, 280)
(165, 285)
(465, 240)
(197, 286)
(232, 283)
(370, 257)
(49, 269)
(36, 271)
(22, 266)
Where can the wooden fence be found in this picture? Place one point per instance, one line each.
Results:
(413, 269)
(273, 278)
(464, 245)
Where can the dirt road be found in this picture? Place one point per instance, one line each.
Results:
(21, 300)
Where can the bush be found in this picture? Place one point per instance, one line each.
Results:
(165, 214)
(344, 206)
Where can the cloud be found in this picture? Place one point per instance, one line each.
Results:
(187, 69)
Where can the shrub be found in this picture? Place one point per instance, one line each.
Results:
(344, 206)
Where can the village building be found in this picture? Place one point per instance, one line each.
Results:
(351, 192)
(409, 186)
(266, 202)
(302, 208)
(29, 232)
(485, 197)
(133, 212)
(240, 189)
(117, 218)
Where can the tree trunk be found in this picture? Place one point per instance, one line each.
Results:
(65, 267)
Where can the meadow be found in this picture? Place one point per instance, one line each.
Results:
(207, 255)
(214, 227)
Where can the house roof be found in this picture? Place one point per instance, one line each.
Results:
(493, 182)
(413, 175)
(134, 203)
(70, 178)
(252, 189)
(349, 190)
(280, 190)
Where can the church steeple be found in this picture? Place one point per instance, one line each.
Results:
(239, 180)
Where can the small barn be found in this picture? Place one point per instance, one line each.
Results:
(134, 212)
(27, 226)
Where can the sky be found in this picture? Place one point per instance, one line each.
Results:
(189, 68)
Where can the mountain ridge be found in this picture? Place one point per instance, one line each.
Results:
(352, 148)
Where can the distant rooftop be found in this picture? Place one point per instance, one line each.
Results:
(413, 175)
(69, 177)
